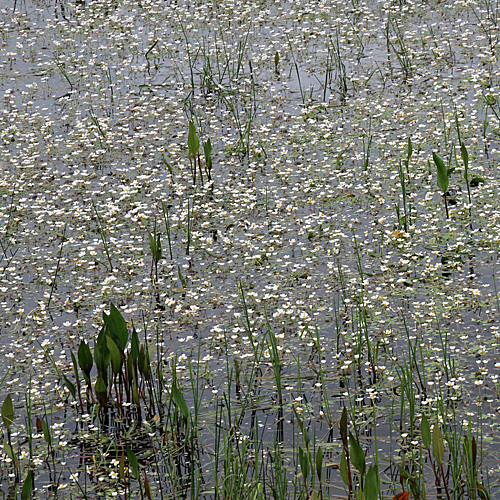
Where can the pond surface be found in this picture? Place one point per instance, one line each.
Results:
(307, 261)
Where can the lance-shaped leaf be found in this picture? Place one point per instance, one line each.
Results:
(85, 360)
(27, 490)
(426, 432)
(117, 327)
(8, 411)
(437, 444)
(372, 483)
(344, 471)
(357, 455)
(193, 141)
(442, 173)
(180, 401)
(133, 462)
(319, 462)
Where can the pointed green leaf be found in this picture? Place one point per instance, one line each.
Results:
(465, 159)
(343, 468)
(357, 455)
(437, 444)
(442, 173)
(117, 327)
(180, 401)
(116, 357)
(71, 387)
(134, 345)
(8, 411)
(27, 490)
(304, 463)
(85, 360)
(101, 354)
(410, 148)
(343, 427)
(46, 432)
(372, 483)
(319, 462)
(75, 369)
(101, 391)
(193, 141)
(133, 462)
(426, 432)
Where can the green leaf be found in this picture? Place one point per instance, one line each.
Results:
(27, 490)
(357, 455)
(426, 432)
(101, 354)
(343, 428)
(117, 327)
(46, 432)
(193, 141)
(410, 148)
(8, 411)
(475, 181)
(372, 483)
(344, 471)
(304, 463)
(75, 369)
(465, 159)
(71, 387)
(319, 463)
(482, 492)
(442, 173)
(116, 357)
(85, 360)
(9, 451)
(437, 444)
(207, 149)
(133, 462)
(101, 391)
(134, 345)
(180, 401)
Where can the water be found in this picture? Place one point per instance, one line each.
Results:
(308, 107)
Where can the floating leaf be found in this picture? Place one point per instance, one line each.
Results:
(8, 412)
(475, 181)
